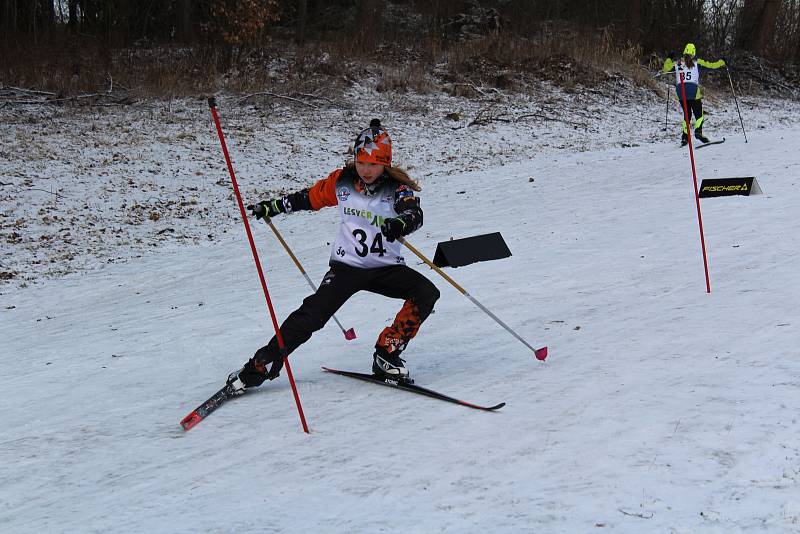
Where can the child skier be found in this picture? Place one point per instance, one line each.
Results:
(377, 206)
(690, 68)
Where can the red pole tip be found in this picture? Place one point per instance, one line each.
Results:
(540, 354)
(349, 334)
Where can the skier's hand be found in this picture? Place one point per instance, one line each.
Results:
(275, 369)
(392, 228)
(275, 363)
(267, 208)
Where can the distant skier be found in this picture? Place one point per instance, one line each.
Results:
(690, 67)
(377, 206)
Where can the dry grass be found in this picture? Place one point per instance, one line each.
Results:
(564, 56)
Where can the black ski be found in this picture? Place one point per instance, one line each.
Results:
(711, 143)
(412, 388)
(202, 411)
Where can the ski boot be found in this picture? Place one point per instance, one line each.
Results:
(700, 137)
(390, 365)
(250, 376)
(684, 140)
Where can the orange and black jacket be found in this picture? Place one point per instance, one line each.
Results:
(324, 193)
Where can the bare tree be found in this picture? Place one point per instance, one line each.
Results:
(302, 20)
(757, 24)
(634, 22)
(185, 18)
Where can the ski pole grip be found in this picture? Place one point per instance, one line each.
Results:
(212, 101)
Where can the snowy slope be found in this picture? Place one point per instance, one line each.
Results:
(83, 187)
(660, 409)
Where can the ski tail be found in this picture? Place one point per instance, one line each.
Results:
(412, 388)
(191, 420)
(211, 404)
(717, 142)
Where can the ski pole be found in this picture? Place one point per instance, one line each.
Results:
(666, 113)
(736, 101)
(540, 354)
(212, 103)
(348, 334)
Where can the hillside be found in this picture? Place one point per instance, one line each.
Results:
(84, 186)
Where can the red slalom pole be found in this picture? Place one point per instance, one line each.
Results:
(212, 103)
(694, 175)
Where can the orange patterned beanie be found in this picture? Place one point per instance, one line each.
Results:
(373, 145)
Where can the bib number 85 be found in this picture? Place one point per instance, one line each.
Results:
(377, 244)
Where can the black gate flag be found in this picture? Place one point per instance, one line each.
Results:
(459, 252)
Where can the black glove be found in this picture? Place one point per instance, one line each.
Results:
(267, 208)
(252, 374)
(392, 228)
(262, 358)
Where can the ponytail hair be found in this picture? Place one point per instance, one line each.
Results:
(399, 175)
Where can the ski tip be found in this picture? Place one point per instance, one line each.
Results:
(349, 334)
(190, 421)
(540, 354)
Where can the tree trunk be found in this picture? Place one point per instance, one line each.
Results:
(368, 23)
(757, 25)
(73, 15)
(186, 20)
(302, 19)
(46, 13)
(634, 22)
(5, 16)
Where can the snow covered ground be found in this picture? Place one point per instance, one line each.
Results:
(660, 409)
(82, 187)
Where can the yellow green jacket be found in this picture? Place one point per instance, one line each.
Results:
(691, 76)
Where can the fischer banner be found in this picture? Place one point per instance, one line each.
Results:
(724, 187)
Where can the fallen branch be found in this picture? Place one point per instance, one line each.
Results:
(297, 100)
(633, 514)
(23, 102)
(76, 97)
(766, 81)
(545, 117)
(56, 193)
(31, 91)
(473, 86)
(329, 100)
(480, 121)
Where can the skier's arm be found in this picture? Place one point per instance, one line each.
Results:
(711, 64)
(668, 65)
(319, 195)
(408, 209)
